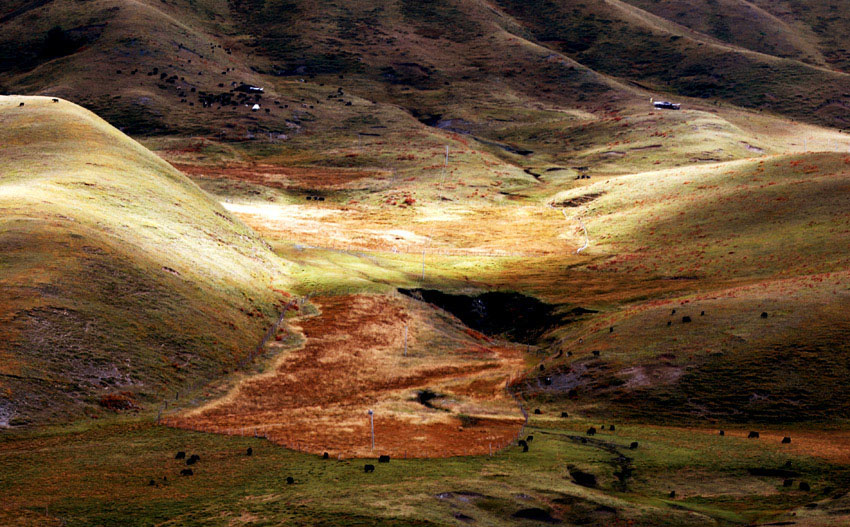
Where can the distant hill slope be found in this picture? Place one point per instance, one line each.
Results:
(152, 67)
(117, 274)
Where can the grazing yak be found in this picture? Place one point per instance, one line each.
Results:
(523, 444)
(383, 459)
(753, 435)
(186, 472)
(180, 455)
(591, 431)
(194, 458)
(368, 468)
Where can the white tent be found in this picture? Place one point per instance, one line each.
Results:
(255, 108)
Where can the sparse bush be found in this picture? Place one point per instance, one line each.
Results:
(119, 401)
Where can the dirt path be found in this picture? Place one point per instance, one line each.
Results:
(317, 397)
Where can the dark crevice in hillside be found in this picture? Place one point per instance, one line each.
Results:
(517, 317)
(624, 469)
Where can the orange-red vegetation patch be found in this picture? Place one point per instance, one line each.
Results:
(831, 445)
(119, 401)
(317, 398)
(283, 177)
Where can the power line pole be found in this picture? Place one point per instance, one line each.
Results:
(422, 280)
(372, 424)
(405, 340)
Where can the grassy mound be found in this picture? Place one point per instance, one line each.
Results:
(118, 273)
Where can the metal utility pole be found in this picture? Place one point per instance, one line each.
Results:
(405, 340)
(372, 423)
(422, 280)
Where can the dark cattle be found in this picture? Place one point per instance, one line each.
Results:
(573, 393)
(326, 456)
(612, 428)
(187, 472)
(321, 198)
(611, 329)
(55, 100)
(634, 445)
(702, 313)
(569, 354)
(547, 381)
(180, 455)
(686, 319)
(151, 483)
(804, 486)
(787, 482)
(564, 414)
(249, 452)
(529, 438)
(591, 431)
(764, 314)
(669, 323)
(786, 440)
(583, 440)
(368, 468)
(673, 312)
(383, 459)
(194, 458)
(753, 435)
(595, 353)
(290, 480)
(21, 104)
(723, 432)
(672, 494)
(602, 427)
(523, 444)
(542, 367)
(537, 411)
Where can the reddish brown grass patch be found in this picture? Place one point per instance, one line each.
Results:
(317, 397)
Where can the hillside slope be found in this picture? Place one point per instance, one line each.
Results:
(152, 67)
(118, 273)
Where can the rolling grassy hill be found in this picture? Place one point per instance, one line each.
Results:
(119, 274)
(449, 145)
